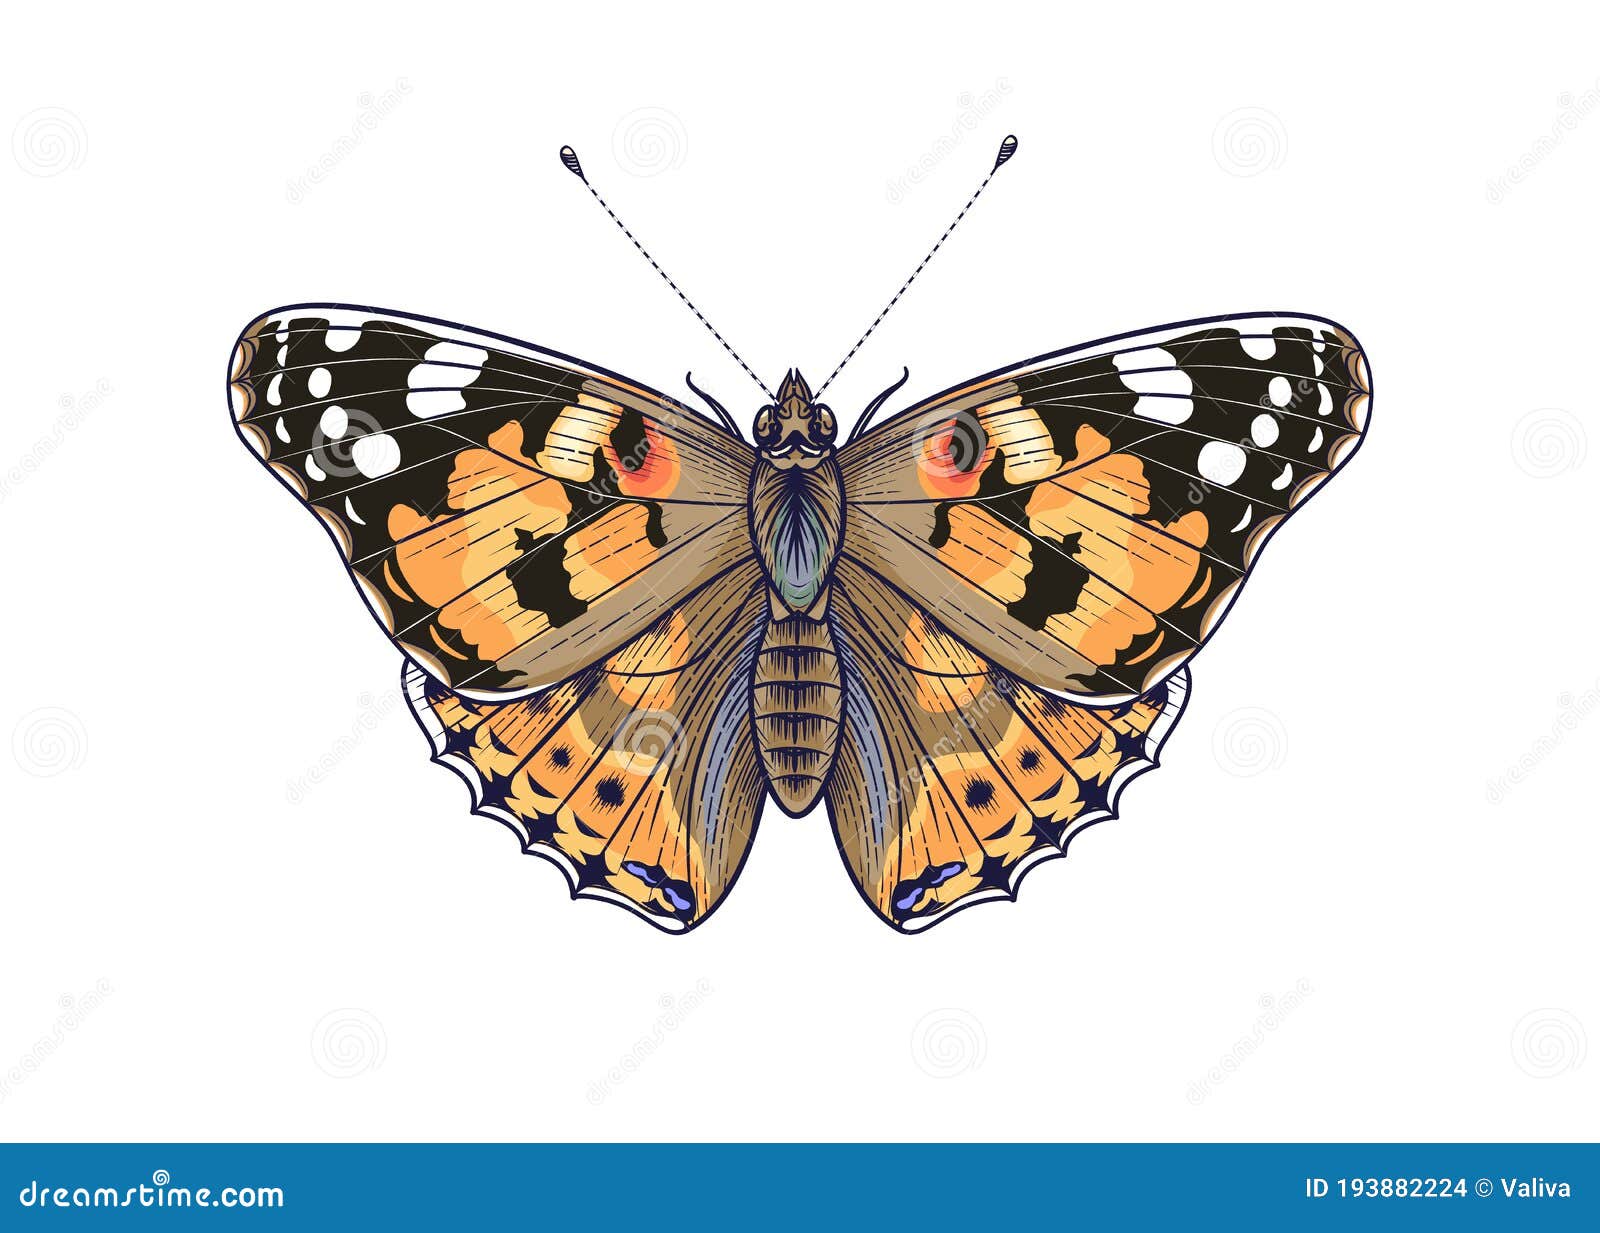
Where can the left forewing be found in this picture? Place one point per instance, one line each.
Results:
(508, 514)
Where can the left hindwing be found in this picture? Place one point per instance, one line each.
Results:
(1085, 520)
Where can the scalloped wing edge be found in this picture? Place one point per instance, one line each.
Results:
(1178, 687)
(413, 684)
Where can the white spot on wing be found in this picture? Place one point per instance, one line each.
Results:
(446, 366)
(1324, 400)
(1220, 462)
(1152, 370)
(1166, 410)
(275, 390)
(1163, 387)
(320, 383)
(283, 431)
(341, 340)
(1282, 482)
(1316, 441)
(1264, 430)
(1244, 519)
(375, 454)
(314, 471)
(334, 423)
(350, 513)
(1280, 391)
(1259, 348)
(424, 404)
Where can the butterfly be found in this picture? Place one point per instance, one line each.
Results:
(962, 631)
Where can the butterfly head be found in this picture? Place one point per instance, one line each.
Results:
(794, 430)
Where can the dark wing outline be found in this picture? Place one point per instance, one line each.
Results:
(1105, 345)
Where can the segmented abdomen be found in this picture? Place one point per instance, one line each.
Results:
(797, 708)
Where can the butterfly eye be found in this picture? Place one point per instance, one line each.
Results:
(766, 427)
(823, 426)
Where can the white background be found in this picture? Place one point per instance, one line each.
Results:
(1336, 912)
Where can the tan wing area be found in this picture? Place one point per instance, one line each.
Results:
(509, 515)
(638, 777)
(953, 777)
(1087, 519)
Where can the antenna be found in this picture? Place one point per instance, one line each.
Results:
(1008, 147)
(569, 160)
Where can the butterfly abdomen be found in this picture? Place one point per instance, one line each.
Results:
(797, 709)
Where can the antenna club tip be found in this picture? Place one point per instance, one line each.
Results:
(1008, 147)
(569, 160)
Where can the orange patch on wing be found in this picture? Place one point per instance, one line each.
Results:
(1139, 568)
(610, 550)
(986, 554)
(456, 562)
(653, 662)
(578, 431)
(945, 674)
(652, 471)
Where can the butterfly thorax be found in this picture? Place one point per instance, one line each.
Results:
(796, 497)
(796, 527)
